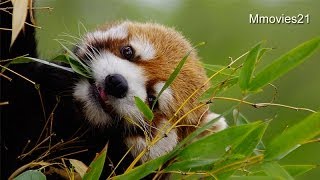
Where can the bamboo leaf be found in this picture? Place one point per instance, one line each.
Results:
(293, 170)
(293, 137)
(248, 67)
(273, 169)
(191, 165)
(95, 169)
(146, 111)
(226, 138)
(31, 175)
(79, 166)
(19, 15)
(78, 68)
(61, 58)
(262, 52)
(221, 141)
(240, 119)
(244, 147)
(296, 170)
(73, 57)
(252, 178)
(284, 64)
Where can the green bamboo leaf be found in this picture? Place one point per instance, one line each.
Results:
(31, 175)
(75, 58)
(60, 58)
(248, 67)
(293, 137)
(95, 169)
(244, 147)
(143, 108)
(284, 64)
(18, 60)
(221, 141)
(219, 150)
(293, 170)
(262, 52)
(252, 178)
(273, 169)
(175, 73)
(297, 170)
(178, 176)
(191, 165)
(240, 119)
(78, 68)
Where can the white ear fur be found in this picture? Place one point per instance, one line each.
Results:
(219, 125)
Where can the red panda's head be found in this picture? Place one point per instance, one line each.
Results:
(131, 59)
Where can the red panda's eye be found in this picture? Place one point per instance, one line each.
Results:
(127, 52)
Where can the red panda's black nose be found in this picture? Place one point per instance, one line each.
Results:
(116, 85)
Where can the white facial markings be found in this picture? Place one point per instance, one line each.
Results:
(117, 32)
(166, 98)
(143, 47)
(94, 113)
(163, 146)
(219, 125)
(108, 64)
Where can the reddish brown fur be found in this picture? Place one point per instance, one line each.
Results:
(171, 47)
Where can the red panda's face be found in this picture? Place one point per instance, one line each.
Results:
(133, 59)
(127, 60)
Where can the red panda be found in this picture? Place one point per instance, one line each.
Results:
(131, 59)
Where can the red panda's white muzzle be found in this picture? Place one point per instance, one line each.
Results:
(117, 82)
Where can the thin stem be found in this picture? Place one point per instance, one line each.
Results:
(312, 141)
(4, 2)
(5, 29)
(259, 105)
(6, 77)
(33, 149)
(77, 152)
(114, 169)
(6, 60)
(18, 74)
(4, 103)
(34, 8)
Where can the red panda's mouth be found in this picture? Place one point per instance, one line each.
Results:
(99, 96)
(102, 93)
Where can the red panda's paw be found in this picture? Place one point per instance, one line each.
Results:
(164, 145)
(220, 123)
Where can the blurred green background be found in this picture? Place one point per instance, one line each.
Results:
(224, 25)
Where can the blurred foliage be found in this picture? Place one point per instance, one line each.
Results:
(224, 25)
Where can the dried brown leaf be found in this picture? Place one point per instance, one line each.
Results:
(79, 166)
(19, 15)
